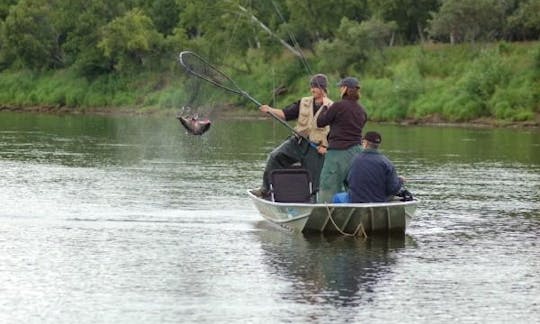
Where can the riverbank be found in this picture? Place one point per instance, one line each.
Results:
(229, 112)
(492, 84)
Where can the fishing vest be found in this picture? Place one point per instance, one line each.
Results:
(307, 123)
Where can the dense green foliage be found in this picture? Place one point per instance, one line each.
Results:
(102, 53)
(457, 83)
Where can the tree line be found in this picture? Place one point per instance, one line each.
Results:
(100, 37)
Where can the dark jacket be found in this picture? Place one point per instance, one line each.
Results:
(372, 178)
(346, 119)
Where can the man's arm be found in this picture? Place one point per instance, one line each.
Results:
(276, 112)
(393, 181)
(326, 116)
(289, 113)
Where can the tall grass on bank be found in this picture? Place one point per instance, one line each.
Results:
(456, 83)
(62, 89)
(449, 83)
(65, 89)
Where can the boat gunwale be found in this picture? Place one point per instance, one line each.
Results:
(350, 205)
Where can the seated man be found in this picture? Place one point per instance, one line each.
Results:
(372, 177)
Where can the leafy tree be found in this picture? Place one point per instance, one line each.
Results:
(129, 39)
(259, 25)
(525, 21)
(164, 13)
(31, 35)
(82, 20)
(4, 8)
(218, 29)
(411, 16)
(354, 44)
(315, 20)
(468, 20)
(4, 60)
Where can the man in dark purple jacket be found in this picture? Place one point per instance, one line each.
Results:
(346, 119)
(372, 177)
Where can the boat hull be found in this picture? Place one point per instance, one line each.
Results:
(353, 219)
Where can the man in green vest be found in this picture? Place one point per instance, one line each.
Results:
(296, 149)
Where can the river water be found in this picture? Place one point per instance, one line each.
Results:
(130, 220)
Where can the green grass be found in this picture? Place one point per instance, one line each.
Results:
(455, 83)
(458, 83)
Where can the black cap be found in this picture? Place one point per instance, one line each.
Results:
(373, 137)
(349, 82)
(319, 81)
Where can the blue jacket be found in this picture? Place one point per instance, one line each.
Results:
(372, 178)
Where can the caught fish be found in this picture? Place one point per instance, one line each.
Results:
(194, 125)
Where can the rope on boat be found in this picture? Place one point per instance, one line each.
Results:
(359, 227)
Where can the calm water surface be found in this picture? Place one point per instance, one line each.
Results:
(130, 220)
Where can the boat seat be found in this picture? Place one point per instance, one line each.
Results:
(291, 186)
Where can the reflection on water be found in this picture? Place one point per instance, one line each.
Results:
(128, 219)
(330, 269)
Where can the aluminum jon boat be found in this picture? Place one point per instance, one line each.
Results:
(345, 219)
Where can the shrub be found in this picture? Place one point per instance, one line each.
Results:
(392, 98)
(432, 101)
(463, 107)
(516, 102)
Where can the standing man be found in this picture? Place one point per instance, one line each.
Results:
(372, 177)
(346, 119)
(296, 149)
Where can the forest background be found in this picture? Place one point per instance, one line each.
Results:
(418, 60)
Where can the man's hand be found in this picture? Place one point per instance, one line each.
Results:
(265, 108)
(321, 149)
(272, 111)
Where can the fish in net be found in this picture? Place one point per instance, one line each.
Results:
(193, 124)
(195, 114)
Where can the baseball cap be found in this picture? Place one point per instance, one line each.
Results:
(373, 137)
(349, 82)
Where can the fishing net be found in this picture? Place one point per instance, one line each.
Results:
(202, 102)
(202, 69)
(199, 67)
(204, 79)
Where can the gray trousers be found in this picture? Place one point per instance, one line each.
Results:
(294, 151)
